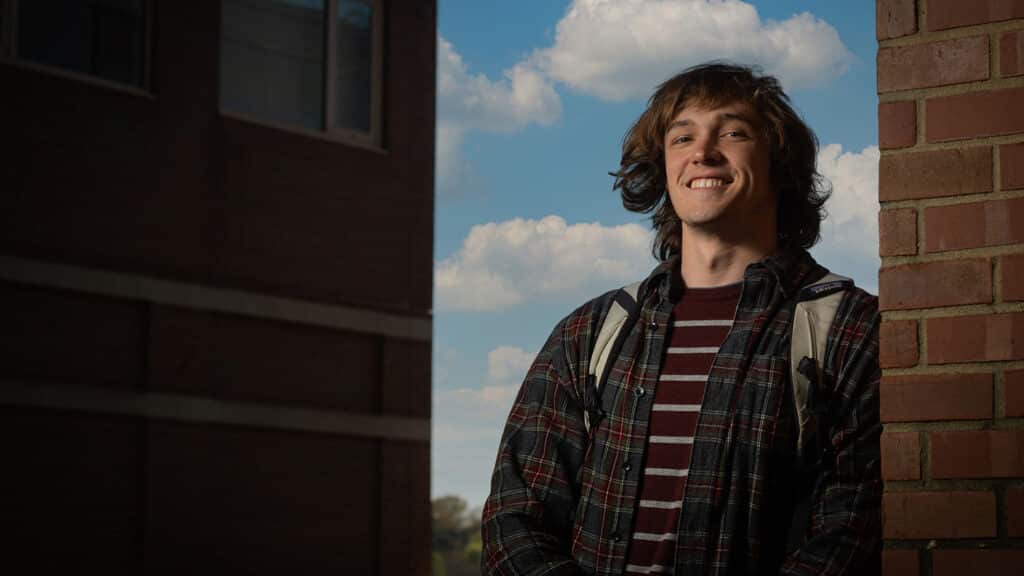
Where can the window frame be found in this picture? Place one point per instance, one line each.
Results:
(9, 53)
(371, 140)
(7, 29)
(373, 136)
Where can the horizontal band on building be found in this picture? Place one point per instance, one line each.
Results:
(209, 411)
(201, 297)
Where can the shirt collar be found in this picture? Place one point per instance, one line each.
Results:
(787, 269)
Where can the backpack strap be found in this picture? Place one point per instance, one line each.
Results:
(608, 342)
(812, 318)
(815, 310)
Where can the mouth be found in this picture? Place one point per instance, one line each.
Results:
(699, 183)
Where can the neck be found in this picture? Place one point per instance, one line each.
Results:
(709, 260)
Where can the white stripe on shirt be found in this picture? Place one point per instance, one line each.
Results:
(700, 323)
(683, 377)
(652, 569)
(676, 407)
(678, 473)
(662, 504)
(671, 440)
(694, 350)
(648, 537)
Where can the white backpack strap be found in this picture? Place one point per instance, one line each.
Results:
(812, 318)
(606, 336)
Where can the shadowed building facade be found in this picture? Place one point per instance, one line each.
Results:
(216, 229)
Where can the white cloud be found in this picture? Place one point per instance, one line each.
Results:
(502, 264)
(508, 364)
(451, 171)
(621, 49)
(853, 208)
(467, 424)
(467, 101)
(849, 236)
(506, 368)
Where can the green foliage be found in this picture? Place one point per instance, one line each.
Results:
(456, 539)
(437, 565)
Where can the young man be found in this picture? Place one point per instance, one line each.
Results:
(687, 460)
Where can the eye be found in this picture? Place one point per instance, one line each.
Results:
(735, 134)
(680, 139)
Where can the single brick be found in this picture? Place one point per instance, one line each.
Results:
(897, 124)
(1011, 54)
(936, 397)
(976, 114)
(945, 14)
(1013, 393)
(895, 18)
(977, 454)
(933, 64)
(1015, 512)
(934, 174)
(897, 562)
(1011, 165)
(898, 344)
(974, 225)
(897, 232)
(901, 456)
(932, 284)
(923, 515)
(1011, 277)
(976, 562)
(983, 338)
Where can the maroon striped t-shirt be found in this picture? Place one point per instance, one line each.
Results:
(700, 322)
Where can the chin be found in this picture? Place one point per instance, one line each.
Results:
(700, 218)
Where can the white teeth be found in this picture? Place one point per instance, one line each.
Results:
(706, 183)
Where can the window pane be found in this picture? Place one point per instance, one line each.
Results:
(272, 60)
(104, 38)
(354, 64)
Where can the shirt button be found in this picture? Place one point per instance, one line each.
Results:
(616, 537)
(653, 324)
(639, 391)
(627, 466)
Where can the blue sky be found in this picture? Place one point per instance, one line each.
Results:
(534, 97)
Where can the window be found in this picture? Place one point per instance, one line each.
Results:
(5, 23)
(314, 64)
(103, 39)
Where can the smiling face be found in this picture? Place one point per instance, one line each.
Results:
(718, 171)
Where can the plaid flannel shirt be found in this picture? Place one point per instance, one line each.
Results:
(563, 501)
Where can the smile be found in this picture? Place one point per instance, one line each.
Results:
(707, 183)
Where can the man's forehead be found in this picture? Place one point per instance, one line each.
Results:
(736, 109)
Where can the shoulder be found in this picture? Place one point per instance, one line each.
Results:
(859, 308)
(581, 325)
(853, 338)
(575, 334)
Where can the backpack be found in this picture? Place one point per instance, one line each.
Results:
(813, 314)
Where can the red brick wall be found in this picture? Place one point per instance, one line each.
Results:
(951, 287)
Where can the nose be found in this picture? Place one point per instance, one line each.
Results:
(706, 151)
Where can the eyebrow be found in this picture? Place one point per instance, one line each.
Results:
(724, 116)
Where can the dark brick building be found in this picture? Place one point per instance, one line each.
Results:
(216, 224)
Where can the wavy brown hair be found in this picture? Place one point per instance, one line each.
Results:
(794, 149)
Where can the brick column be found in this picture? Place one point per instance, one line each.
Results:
(951, 186)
